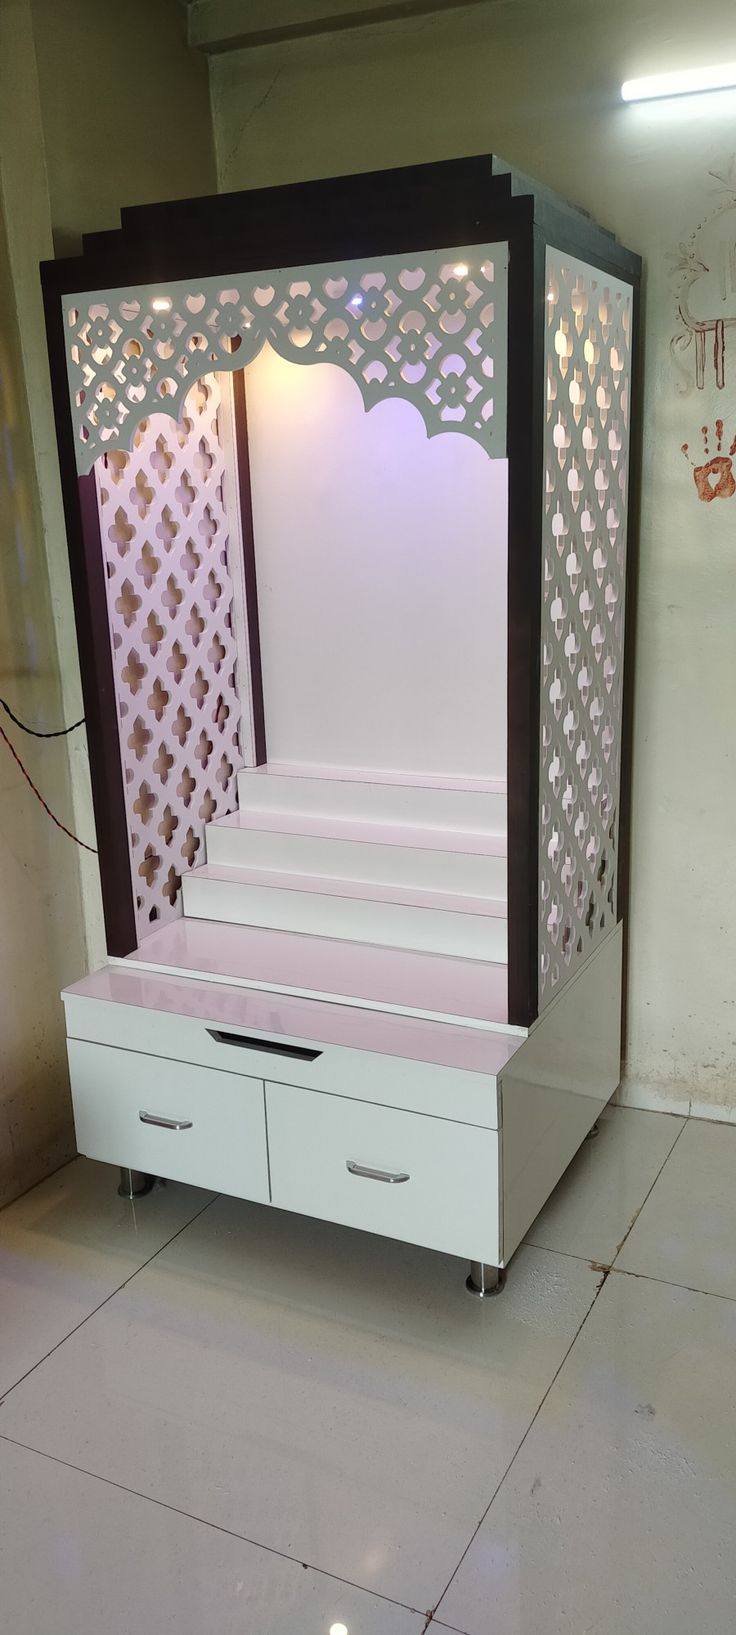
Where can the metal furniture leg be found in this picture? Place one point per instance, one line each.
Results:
(134, 1183)
(484, 1280)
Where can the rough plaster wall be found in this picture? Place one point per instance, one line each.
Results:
(40, 924)
(128, 120)
(89, 120)
(538, 83)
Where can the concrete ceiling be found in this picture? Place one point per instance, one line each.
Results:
(234, 25)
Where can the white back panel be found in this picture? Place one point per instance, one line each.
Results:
(381, 565)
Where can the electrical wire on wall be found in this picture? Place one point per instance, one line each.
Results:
(33, 733)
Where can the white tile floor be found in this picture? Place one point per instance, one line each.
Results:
(222, 1418)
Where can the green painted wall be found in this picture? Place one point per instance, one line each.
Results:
(100, 105)
(41, 943)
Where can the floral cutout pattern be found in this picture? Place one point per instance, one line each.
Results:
(170, 601)
(588, 349)
(431, 329)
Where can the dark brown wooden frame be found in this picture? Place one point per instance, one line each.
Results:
(463, 201)
(240, 416)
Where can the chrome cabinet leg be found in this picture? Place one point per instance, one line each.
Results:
(134, 1183)
(484, 1280)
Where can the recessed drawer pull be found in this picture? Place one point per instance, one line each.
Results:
(376, 1174)
(270, 1047)
(166, 1123)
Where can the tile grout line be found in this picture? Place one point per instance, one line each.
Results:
(108, 1297)
(65, 1164)
(567, 1254)
(431, 1615)
(545, 1249)
(645, 1200)
(666, 1283)
(215, 1527)
(606, 1272)
(624, 1271)
(552, 1250)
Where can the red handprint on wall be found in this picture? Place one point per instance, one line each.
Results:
(714, 479)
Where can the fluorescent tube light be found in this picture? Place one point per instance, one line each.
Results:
(683, 83)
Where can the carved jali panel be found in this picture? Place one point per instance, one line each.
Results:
(430, 328)
(588, 351)
(165, 538)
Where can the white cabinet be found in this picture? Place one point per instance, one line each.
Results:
(170, 1118)
(324, 1129)
(388, 1072)
(403, 1175)
(348, 542)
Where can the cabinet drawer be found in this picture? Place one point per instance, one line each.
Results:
(328, 1155)
(221, 1142)
(366, 1073)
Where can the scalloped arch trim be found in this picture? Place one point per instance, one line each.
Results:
(430, 328)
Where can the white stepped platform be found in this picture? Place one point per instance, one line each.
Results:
(437, 922)
(390, 980)
(371, 853)
(473, 807)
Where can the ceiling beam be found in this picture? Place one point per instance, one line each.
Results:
(236, 25)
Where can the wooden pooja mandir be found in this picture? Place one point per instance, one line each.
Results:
(346, 478)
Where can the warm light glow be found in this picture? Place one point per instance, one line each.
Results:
(338, 1629)
(461, 270)
(161, 303)
(685, 82)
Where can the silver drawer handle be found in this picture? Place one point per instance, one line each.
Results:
(166, 1123)
(375, 1174)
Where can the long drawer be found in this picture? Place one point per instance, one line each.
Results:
(170, 1118)
(421, 1180)
(367, 1074)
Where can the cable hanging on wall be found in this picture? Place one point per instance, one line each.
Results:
(37, 792)
(33, 731)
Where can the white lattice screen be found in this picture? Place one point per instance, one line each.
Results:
(588, 350)
(165, 533)
(430, 328)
